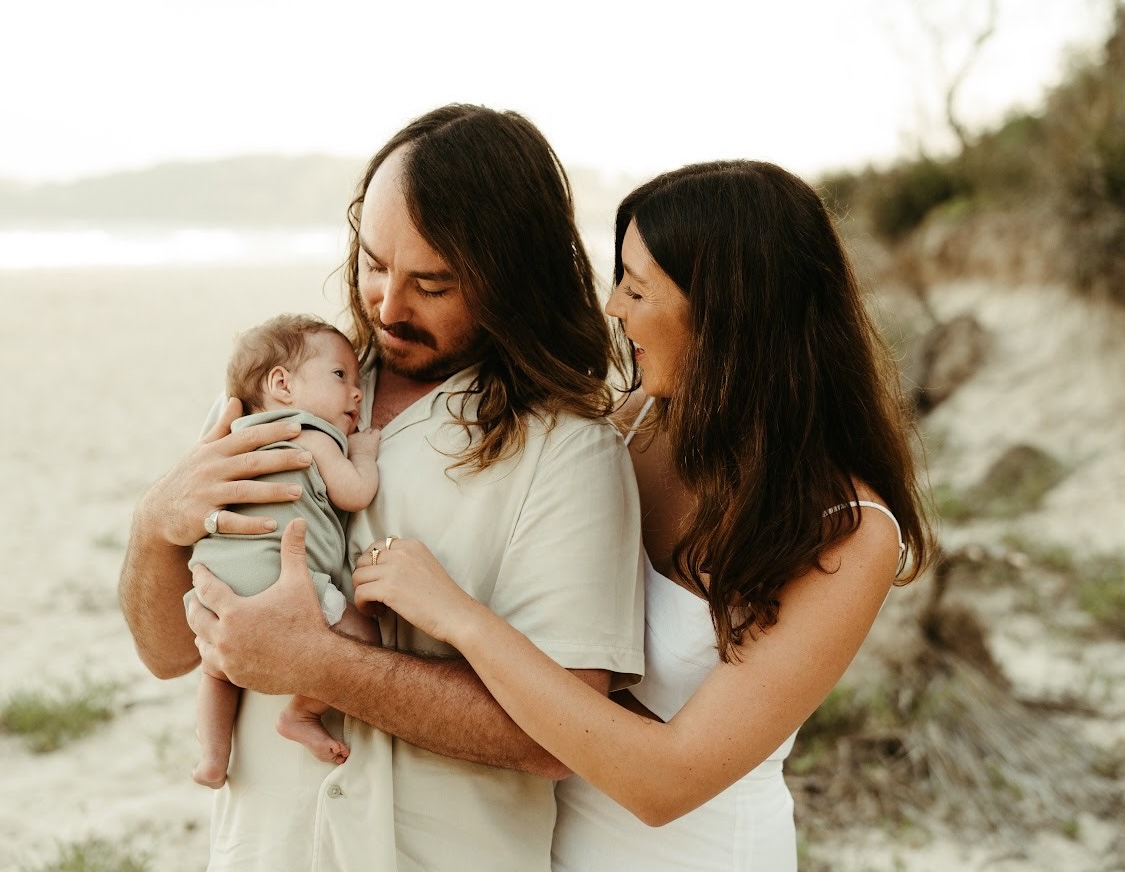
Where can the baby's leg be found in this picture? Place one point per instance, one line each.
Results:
(216, 707)
(353, 623)
(300, 722)
(301, 719)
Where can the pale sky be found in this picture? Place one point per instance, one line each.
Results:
(635, 86)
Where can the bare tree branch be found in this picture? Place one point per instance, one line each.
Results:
(955, 83)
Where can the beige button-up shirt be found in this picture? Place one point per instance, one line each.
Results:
(550, 541)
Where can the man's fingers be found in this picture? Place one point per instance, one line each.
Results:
(211, 591)
(253, 438)
(233, 493)
(293, 559)
(256, 463)
(234, 524)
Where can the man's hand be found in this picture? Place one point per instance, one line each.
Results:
(263, 642)
(218, 472)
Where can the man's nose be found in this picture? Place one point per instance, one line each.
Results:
(393, 308)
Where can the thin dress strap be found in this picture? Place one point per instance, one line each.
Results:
(640, 417)
(879, 507)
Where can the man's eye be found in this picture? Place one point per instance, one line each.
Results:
(434, 292)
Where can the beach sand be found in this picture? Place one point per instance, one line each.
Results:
(110, 374)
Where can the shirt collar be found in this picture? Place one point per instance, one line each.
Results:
(421, 409)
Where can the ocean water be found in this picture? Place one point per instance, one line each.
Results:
(22, 249)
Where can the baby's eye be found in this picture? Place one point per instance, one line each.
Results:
(338, 372)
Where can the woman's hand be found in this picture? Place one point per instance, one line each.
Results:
(218, 472)
(408, 579)
(263, 642)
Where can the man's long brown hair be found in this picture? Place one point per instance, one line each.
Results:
(787, 395)
(488, 193)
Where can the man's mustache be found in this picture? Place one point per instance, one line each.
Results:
(406, 331)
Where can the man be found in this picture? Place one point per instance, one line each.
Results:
(470, 288)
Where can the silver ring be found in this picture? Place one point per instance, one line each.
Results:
(211, 522)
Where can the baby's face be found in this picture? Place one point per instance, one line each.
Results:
(326, 384)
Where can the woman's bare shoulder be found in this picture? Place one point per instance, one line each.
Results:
(626, 414)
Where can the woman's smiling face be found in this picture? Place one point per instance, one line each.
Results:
(655, 313)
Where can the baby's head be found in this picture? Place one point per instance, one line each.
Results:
(297, 362)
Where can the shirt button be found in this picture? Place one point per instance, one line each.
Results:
(334, 791)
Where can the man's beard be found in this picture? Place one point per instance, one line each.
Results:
(468, 349)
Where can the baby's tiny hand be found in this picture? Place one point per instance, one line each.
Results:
(364, 443)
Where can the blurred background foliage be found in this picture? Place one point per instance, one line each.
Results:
(1063, 168)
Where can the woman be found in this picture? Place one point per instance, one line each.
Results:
(780, 501)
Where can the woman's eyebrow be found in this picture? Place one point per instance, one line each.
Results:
(633, 275)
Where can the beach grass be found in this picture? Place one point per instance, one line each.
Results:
(94, 855)
(49, 718)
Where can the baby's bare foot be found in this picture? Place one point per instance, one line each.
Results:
(305, 727)
(210, 772)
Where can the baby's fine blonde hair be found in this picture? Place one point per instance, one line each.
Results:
(280, 341)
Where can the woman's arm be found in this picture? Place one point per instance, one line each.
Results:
(742, 712)
(169, 520)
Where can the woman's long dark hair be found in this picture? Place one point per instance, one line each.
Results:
(787, 395)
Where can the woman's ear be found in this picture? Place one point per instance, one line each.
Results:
(279, 385)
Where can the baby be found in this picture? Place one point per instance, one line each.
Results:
(301, 368)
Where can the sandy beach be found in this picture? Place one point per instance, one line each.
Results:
(110, 374)
(113, 371)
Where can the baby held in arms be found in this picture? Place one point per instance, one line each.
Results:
(299, 368)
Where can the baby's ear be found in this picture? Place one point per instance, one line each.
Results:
(278, 385)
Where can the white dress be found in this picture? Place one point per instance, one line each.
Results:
(749, 826)
(746, 828)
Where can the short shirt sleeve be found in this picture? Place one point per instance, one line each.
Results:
(572, 576)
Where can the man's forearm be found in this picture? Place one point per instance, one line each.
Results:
(436, 704)
(154, 578)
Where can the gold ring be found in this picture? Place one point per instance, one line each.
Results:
(374, 556)
(390, 539)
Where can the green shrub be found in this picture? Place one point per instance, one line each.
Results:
(1101, 593)
(840, 715)
(95, 855)
(951, 504)
(47, 719)
(1052, 556)
(1007, 163)
(905, 195)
